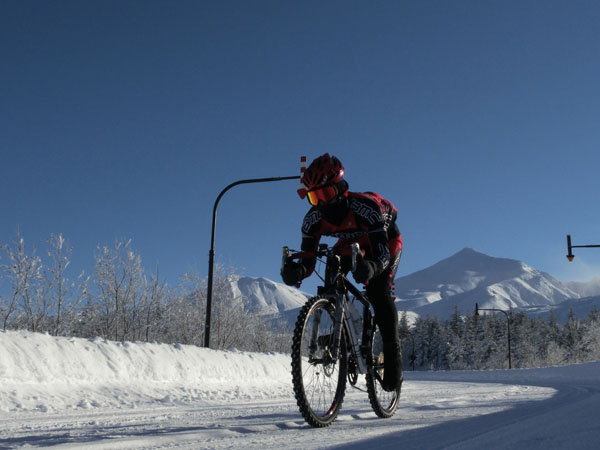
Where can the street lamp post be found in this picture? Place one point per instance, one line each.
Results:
(570, 254)
(477, 309)
(211, 254)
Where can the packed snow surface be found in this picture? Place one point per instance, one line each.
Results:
(76, 393)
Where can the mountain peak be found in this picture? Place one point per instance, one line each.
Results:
(470, 276)
(264, 296)
(471, 259)
(470, 252)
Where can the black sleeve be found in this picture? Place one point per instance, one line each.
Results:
(311, 236)
(381, 250)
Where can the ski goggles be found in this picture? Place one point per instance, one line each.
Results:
(324, 194)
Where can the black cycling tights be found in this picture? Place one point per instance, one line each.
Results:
(386, 314)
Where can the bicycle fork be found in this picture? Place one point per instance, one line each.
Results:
(358, 346)
(336, 337)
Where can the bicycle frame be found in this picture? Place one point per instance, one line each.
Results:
(336, 287)
(358, 346)
(328, 350)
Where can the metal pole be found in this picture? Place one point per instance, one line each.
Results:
(508, 326)
(211, 253)
(570, 255)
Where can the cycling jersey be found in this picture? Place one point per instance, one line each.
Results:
(365, 218)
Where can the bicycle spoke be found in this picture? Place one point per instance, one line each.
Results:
(384, 403)
(319, 383)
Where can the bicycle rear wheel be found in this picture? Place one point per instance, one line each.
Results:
(384, 403)
(319, 380)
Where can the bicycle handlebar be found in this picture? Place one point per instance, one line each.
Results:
(355, 251)
(324, 250)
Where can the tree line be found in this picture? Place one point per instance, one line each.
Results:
(470, 342)
(119, 301)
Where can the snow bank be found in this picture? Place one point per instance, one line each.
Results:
(42, 372)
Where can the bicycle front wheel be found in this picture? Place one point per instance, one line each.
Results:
(384, 403)
(319, 379)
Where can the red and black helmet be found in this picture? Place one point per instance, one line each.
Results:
(324, 171)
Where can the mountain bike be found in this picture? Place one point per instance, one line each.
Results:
(334, 344)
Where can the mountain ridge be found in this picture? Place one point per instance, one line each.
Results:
(470, 277)
(463, 279)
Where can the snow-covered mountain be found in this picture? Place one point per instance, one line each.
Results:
(465, 278)
(266, 297)
(470, 277)
(585, 288)
(579, 306)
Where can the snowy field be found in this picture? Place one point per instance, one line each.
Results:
(76, 393)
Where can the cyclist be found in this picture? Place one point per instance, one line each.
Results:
(365, 218)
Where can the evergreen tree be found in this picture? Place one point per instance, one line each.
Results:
(571, 338)
(590, 340)
(403, 328)
(455, 351)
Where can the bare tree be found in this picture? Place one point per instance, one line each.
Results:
(188, 310)
(24, 274)
(232, 325)
(229, 324)
(119, 279)
(235, 326)
(125, 305)
(66, 294)
(155, 295)
(182, 322)
(148, 315)
(9, 304)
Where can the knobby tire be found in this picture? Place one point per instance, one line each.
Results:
(384, 403)
(319, 384)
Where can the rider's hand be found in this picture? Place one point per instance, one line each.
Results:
(364, 271)
(292, 273)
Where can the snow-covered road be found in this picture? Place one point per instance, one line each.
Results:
(191, 398)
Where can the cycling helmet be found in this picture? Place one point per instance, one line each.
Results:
(324, 171)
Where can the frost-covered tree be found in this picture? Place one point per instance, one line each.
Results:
(65, 295)
(9, 304)
(571, 338)
(403, 328)
(185, 312)
(590, 336)
(455, 342)
(119, 280)
(156, 296)
(230, 324)
(122, 304)
(26, 305)
(233, 325)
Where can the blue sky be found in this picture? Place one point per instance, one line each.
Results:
(126, 119)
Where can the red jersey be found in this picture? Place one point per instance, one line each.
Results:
(365, 218)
